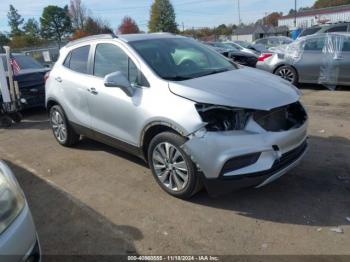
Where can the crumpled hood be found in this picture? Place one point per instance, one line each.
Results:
(244, 87)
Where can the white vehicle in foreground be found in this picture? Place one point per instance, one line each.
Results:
(18, 237)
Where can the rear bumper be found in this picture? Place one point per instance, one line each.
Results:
(264, 66)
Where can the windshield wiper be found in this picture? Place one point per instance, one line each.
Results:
(216, 71)
(177, 78)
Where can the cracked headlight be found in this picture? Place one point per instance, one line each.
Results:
(222, 118)
(11, 197)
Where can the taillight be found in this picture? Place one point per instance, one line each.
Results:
(46, 76)
(263, 56)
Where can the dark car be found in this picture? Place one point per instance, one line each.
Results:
(30, 78)
(238, 56)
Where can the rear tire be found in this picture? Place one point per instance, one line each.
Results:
(288, 73)
(172, 168)
(62, 130)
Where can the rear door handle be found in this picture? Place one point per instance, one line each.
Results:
(58, 79)
(92, 90)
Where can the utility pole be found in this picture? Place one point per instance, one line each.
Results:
(295, 13)
(239, 13)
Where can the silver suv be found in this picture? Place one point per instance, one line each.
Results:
(194, 116)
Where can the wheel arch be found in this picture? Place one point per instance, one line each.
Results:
(155, 128)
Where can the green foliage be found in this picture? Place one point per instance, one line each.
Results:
(162, 18)
(272, 19)
(210, 34)
(329, 3)
(4, 39)
(15, 20)
(55, 23)
(31, 28)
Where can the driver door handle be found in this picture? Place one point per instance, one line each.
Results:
(92, 90)
(58, 79)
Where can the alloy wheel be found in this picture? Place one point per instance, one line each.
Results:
(170, 166)
(58, 126)
(286, 74)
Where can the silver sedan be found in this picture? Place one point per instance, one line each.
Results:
(316, 59)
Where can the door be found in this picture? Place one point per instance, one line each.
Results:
(113, 113)
(344, 62)
(309, 64)
(72, 79)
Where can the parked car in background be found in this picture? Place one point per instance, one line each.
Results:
(30, 76)
(257, 49)
(18, 237)
(232, 52)
(264, 44)
(181, 107)
(318, 59)
(241, 48)
(326, 28)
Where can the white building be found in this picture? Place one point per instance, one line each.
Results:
(317, 16)
(250, 33)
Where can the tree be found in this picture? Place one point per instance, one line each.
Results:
(4, 39)
(329, 3)
(92, 26)
(15, 20)
(77, 13)
(162, 18)
(31, 28)
(272, 19)
(55, 23)
(224, 29)
(128, 26)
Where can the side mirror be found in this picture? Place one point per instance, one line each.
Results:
(118, 79)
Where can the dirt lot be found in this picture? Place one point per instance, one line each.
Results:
(94, 199)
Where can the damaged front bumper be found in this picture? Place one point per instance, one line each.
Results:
(249, 158)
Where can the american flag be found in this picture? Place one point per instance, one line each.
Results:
(15, 66)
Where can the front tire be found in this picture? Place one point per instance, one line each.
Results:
(172, 168)
(63, 132)
(288, 73)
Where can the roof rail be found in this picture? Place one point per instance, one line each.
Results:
(91, 37)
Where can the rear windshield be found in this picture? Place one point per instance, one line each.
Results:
(24, 62)
(310, 31)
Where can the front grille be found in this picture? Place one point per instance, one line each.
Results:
(281, 118)
(240, 162)
(285, 160)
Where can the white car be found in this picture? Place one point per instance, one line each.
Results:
(18, 237)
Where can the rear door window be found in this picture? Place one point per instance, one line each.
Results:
(78, 58)
(314, 44)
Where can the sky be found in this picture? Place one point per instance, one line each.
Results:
(190, 13)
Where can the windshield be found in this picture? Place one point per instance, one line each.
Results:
(181, 58)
